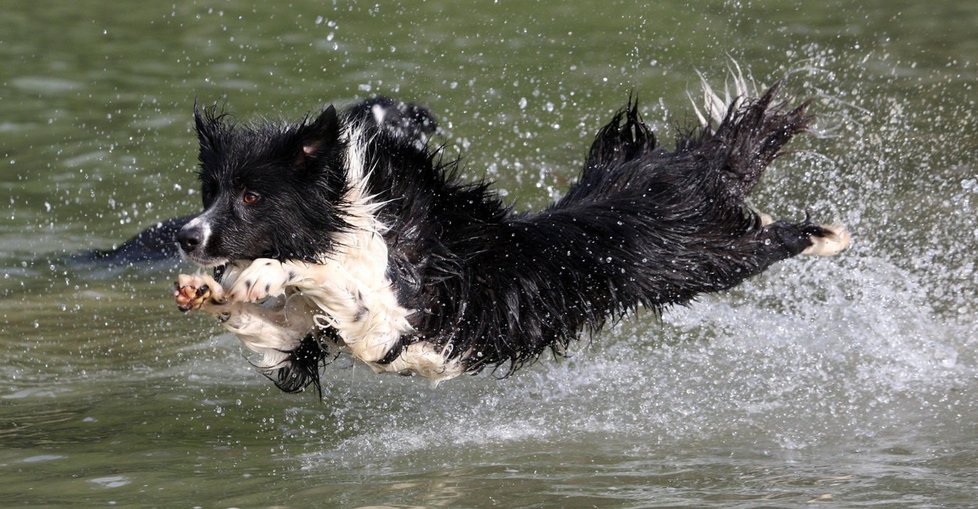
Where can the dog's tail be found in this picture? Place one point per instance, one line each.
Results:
(642, 227)
(728, 155)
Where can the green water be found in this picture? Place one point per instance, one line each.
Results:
(848, 381)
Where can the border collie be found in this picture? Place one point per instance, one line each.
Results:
(346, 232)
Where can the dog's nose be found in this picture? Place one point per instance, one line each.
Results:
(189, 237)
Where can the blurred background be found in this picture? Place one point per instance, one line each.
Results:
(847, 380)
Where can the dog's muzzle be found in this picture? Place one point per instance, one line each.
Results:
(193, 238)
(190, 237)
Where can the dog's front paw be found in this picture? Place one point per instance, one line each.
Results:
(192, 292)
(262, 279)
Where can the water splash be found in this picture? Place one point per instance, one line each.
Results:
(816, 354)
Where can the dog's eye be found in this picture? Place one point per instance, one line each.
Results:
(250, 198)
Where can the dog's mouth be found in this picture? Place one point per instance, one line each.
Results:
(202, 260)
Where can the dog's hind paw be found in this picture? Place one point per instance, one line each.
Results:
(834, 239)
(192, 292)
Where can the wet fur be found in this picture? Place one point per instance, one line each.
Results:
(482, 286)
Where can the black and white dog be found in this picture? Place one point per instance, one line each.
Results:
(346, 233)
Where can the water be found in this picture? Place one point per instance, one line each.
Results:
(849, 381)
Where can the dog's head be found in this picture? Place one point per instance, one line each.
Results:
(269, 190)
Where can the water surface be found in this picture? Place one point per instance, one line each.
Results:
(846, 381)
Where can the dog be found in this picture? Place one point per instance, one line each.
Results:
(347, 232)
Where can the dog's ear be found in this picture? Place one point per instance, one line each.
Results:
(319, 137)
(207, 124)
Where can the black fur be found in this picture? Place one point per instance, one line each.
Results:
(643, 226)
(292, 168)
(302, 367)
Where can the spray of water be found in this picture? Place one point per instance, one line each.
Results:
(816, 353)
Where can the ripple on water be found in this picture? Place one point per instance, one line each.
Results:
(45, 84)
(41, 458)
(112, 481)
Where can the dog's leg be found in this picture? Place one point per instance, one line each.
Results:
(425, 360)
(834, 239)
(272, 329)
(721, 264)
(779, 240)
(262, 279)
(364, 310)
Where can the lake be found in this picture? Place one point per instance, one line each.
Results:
(847, 381)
